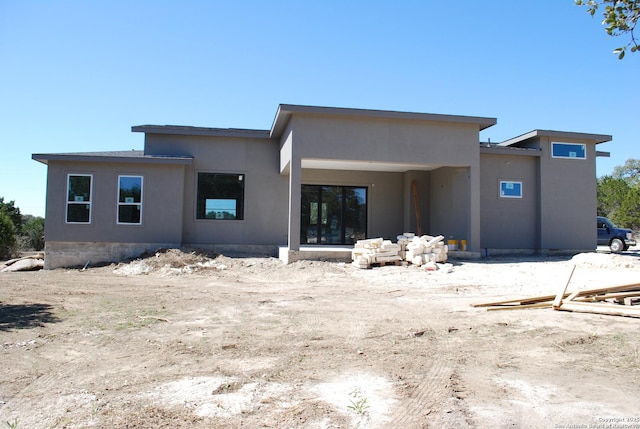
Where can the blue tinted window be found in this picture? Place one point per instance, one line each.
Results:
(568, 150)
(510, 189)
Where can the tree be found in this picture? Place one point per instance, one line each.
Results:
(629, 213)
(611, 193)
(629, 172)
(33, 232)
(8, 242)
(619, 18)
(13, 212)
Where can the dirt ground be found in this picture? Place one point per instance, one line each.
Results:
(180, 340)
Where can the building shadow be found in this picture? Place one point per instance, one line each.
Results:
(25, 316)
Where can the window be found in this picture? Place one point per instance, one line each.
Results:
(220, 196)
(568, 150)
(510, 189)
(130, 200)
(79, 198)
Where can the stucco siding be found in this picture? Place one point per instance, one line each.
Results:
(161, 203)
(265, 190)
(385, 140)
(568, 201)
(450, 203)
(508, 223)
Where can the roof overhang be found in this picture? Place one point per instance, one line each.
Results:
(200, 131)
(285, 111)
(132, 157)
(502, 150)
(595, 138)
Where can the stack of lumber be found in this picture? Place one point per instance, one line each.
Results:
(423, 250)
(618, 300)
(376, 251)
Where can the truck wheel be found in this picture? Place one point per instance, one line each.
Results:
(616, 245)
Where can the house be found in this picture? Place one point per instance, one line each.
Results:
(323, 176)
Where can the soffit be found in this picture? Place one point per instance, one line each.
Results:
(397, 167)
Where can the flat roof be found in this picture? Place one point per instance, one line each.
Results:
(127, 156)
(285, 111)
(200, 131)
(596, 138)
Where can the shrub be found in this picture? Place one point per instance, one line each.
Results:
(8, 242)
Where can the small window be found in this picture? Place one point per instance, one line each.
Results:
(510, 189)
(568, 150)
(79, 198)
(130, 200)
(220, 196)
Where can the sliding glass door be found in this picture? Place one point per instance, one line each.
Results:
(333, 214)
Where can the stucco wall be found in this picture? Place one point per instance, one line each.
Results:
(568, 201)
(509, 223)
(161, 203)
(385, 140)
(265, 208)
(450, 203)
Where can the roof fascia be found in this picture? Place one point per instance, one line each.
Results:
(285, 111)
(200, 131)
(146, 159)
(596, 138)
(513, 151)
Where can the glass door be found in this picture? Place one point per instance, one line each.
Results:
(333, 214)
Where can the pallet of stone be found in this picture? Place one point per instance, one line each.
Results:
(376, 251)
(422, 250)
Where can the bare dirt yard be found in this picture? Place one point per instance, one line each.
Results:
(181, 340)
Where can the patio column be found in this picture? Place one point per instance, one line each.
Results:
(295, 189)
(474, 208)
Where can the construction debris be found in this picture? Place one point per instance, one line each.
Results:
(425, 251)
(27, 263)
(619, 300)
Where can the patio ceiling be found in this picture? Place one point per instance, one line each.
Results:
(396, 167)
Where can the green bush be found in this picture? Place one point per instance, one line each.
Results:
(33, 232)
(8, 241)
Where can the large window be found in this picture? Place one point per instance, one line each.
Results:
(220, 196)
(130, 200)
(79, 198)
(568, 150)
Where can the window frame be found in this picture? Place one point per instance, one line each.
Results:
(201, 200)
(120, 204)
(582, 145)
(501, 194)
(68, 203)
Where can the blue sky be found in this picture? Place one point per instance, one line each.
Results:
(76, 75)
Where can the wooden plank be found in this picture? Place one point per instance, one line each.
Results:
(585, 292)
(606, 296)
(609, 289)
(560, 296)
(600, 308)
(414, 190)
(518, 301)
(522, 306)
